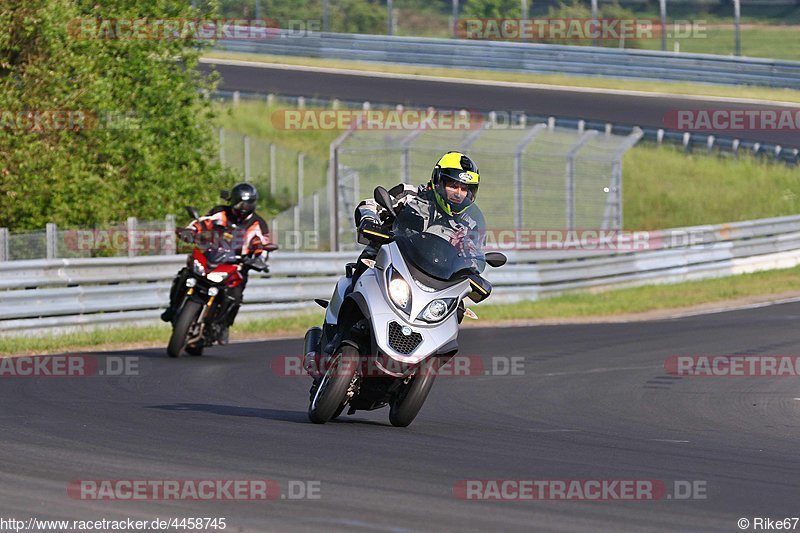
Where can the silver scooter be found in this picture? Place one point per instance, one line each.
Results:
(386, 336)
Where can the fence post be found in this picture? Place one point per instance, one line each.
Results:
(246, 158)
(315, 216)
(296, 222)
(272, 170)
(274, 231)
(170, 244)
(51, 232)
(221, 146)
(570, 180)
(519, 204)
(131, 236)
(4, 244)
(300, 175)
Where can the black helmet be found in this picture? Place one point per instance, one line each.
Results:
(243, 201)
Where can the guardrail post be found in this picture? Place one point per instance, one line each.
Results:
(236, 96)
(131, 236)
(170, 245)
(246, 158)
(301, 157)
(222, 146)
(4, 244)
(272, 170)
(51, 232)
(274, 231)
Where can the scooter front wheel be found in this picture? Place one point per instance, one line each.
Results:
(331, 392)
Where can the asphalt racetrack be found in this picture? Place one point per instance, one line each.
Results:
(644, 111)
(589, 402)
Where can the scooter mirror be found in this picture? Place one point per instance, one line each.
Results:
(383, 199)
(192, 212)
(495, 259)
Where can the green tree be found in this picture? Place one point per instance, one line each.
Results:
(136, 140)
(492, 9)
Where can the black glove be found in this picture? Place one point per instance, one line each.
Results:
(186, 235)
(257, 262)
(370, 230)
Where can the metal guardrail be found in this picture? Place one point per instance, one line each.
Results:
(528, 57)
(67, 294)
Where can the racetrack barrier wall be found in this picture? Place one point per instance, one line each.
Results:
(527, 57)
(60, 295)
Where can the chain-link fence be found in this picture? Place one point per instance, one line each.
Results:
(533, 177)
(538, 177)
(276, 172)
(132, 238)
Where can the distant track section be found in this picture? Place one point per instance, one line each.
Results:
(588, 104)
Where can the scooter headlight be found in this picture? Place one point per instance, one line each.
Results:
(399, 291)
(436, 310)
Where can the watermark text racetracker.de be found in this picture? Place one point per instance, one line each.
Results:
(589, 239)
(194, 489)
(576, 29)
(398, 119)
(376, 366)
(60, 366)
(733, 365)
(133, 29)
(579, 489)
(733, 120)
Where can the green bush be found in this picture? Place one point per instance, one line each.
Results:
(135, 142)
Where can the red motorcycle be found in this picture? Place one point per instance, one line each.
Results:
(215, 268)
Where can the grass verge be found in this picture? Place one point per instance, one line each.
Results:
(757, 93)
(608, 304)
(663, 187)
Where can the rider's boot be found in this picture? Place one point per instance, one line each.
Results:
(311, 350)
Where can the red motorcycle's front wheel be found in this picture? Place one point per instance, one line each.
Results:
(183, 322)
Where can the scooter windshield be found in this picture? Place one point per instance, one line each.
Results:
(443, 250)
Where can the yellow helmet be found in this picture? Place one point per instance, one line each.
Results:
(457, 167)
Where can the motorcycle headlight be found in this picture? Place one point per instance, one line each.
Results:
(198, 268)
(213, 291)
(191, 282)
(399, 291)
(436, 310)
(217, 277)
